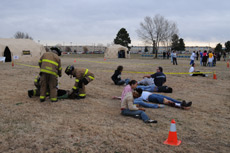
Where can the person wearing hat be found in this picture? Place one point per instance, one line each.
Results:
(82, 78)
(50, 69)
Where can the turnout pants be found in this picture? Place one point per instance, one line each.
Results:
(48, 82)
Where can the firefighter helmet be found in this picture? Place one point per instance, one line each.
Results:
(69, 69)
(57, 50)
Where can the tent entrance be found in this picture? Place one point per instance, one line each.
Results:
(121, 54)
(7, 54)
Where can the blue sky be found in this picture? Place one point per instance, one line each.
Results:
(88, 22)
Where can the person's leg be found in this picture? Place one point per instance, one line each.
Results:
(128, 112)
(127, 81)
(121, 82)
(43, 88)
(82, 93)
(53, 88)
(147, 88)
(156, 98)
(176, 60)
(140, 102)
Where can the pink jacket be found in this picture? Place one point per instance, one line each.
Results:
(126, 90)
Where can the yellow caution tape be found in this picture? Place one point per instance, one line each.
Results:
(134, 71)
(27, 65)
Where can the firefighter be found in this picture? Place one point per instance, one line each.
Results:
(82, 78)
(61, 94)
(50, 69)
(35, 92)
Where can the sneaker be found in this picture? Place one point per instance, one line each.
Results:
(183, 103)
(137, 116)
(189, 104)
(54, 101)
(151, 121)
(30, 93)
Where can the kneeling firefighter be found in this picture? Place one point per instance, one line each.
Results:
(82, 78)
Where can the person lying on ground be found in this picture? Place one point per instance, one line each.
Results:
(129, 109)
(195, 73)
(161, 99)
(159, 77)
(61, 94)
(116, 77)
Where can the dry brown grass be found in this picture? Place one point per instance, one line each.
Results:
(95, 124)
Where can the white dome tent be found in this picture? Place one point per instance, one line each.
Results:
(116, 51)
(23, 49)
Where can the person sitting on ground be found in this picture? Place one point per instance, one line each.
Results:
(129, 109)
(161, 99)
(154, 88)
(116, 77)
(195, 73)
(146, 81)
(129, 88)
(159, 77)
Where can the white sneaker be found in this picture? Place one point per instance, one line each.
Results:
(151, 121)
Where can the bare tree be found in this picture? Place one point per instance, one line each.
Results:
(22, 35)
(156, 30)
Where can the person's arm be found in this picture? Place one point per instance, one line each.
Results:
(131, 105)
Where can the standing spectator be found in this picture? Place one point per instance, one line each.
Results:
(201, 58)
(224, 56)
(205, 57)
(210, 58)
(168, 54)
(174, 57)
(192, 57)
(164, 55)
(197, 55)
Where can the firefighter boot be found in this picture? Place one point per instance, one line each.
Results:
(30, 93)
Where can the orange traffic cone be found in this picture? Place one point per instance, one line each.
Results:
(228, 64)
(12, 63)
(172, 137)
(214, 75)
(104, 59)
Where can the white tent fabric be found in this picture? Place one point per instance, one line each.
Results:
(17, 46)
(112, 51)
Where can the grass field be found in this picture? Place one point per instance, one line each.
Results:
(95, 124)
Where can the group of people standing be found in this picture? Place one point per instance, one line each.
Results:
(136, 96)
(207, 58)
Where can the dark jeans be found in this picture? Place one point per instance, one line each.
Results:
(174, 61)
(128, 112)
(155, 98)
